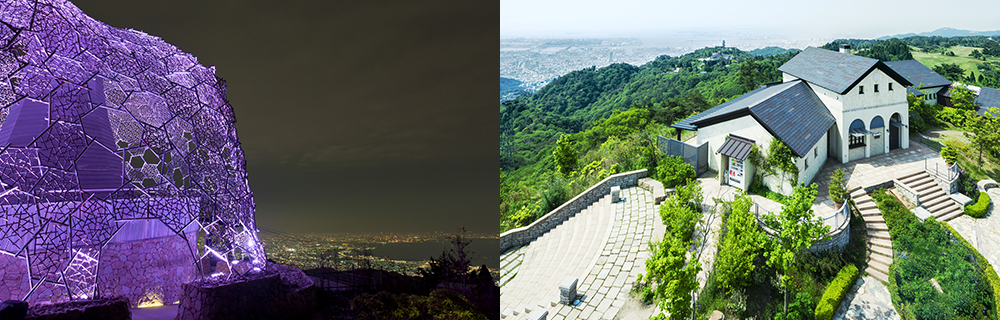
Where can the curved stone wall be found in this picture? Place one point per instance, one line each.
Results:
(524, 235)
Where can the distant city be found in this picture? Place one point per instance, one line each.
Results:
(400, 252)
(534, 62)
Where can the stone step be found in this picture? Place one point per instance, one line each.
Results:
(880, 242)
(870, 212)
(877, 274)
(916, 179)
(924, 188)
(913, 176)
(877, 226)
(873, 218)
(880, 258)
(936, 198)
(858, 193)
(880, 234)
(865, 203)
(949, 215)
(878, 250)
(942, 206)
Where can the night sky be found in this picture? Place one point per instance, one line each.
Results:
(355, 116)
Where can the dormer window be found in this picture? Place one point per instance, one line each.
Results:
(876, 88)
(890, 86)
(861, 89)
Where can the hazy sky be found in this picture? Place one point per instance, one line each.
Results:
(353, 115)
(798, 18)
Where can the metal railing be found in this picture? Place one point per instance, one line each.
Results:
(839, 217)
(950, 173)
(930, 143)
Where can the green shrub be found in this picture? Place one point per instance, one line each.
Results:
(984, 265)
(673, 171)
(835, 291)
(927, 251)
(978, 209)
(949, 154)
(838, 188)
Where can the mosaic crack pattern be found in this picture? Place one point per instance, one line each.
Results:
(100, 126)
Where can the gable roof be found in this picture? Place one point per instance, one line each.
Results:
(736, 147)
(920, 75)
(789, 111)
(988, 97)
(838, 72)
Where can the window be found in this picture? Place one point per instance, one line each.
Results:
(861, 89)
(806, 163)
(815, 152)
(876, 88)
(890, 86)
(857, 142)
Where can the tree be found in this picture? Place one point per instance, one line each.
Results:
(672, 276)
(749, 75)
(951, 71)
(681, 211)
(565, 156)
(673, 171)
(838, 190)
(950, 155)
(983, 132)
(742, 243)
(795, 228)
(962, 97)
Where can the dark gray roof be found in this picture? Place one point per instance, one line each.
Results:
(911, 90)
(796, 116)
(988, 97)
(731, 109)
(790, 111)
(920, 75)
(737, 147)
(833, 70)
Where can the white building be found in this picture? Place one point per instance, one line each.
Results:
(829, 105)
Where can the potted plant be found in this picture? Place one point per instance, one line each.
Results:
(950, 155)
(838, 188)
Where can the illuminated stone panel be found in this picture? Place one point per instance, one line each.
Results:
(117, 152)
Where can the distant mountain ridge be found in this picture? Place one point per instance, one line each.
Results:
(945, 32)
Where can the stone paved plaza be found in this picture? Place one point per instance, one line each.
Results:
(867, 299)
(982, 233)
(603, 246)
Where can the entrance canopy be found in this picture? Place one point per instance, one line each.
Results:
(736, 147)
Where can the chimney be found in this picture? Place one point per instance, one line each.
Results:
(845, 48)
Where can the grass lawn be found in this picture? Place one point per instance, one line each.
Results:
(961, 58)
(968, 157)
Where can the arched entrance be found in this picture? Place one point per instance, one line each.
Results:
(856, 140)
(877, 141)
(895, 124)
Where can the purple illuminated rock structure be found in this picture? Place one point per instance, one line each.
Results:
(118, 152)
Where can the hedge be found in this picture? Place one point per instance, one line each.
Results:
(835, 291)
(991, 274)
(978, 209)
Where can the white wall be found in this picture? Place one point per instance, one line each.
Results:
(749, 128)
(816, 157)
(716, 134)
(866, 106)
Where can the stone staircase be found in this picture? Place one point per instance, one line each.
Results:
(932, 197)
(879, 242)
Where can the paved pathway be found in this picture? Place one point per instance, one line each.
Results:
(983, 233)
(867, 299)
(604, 246)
